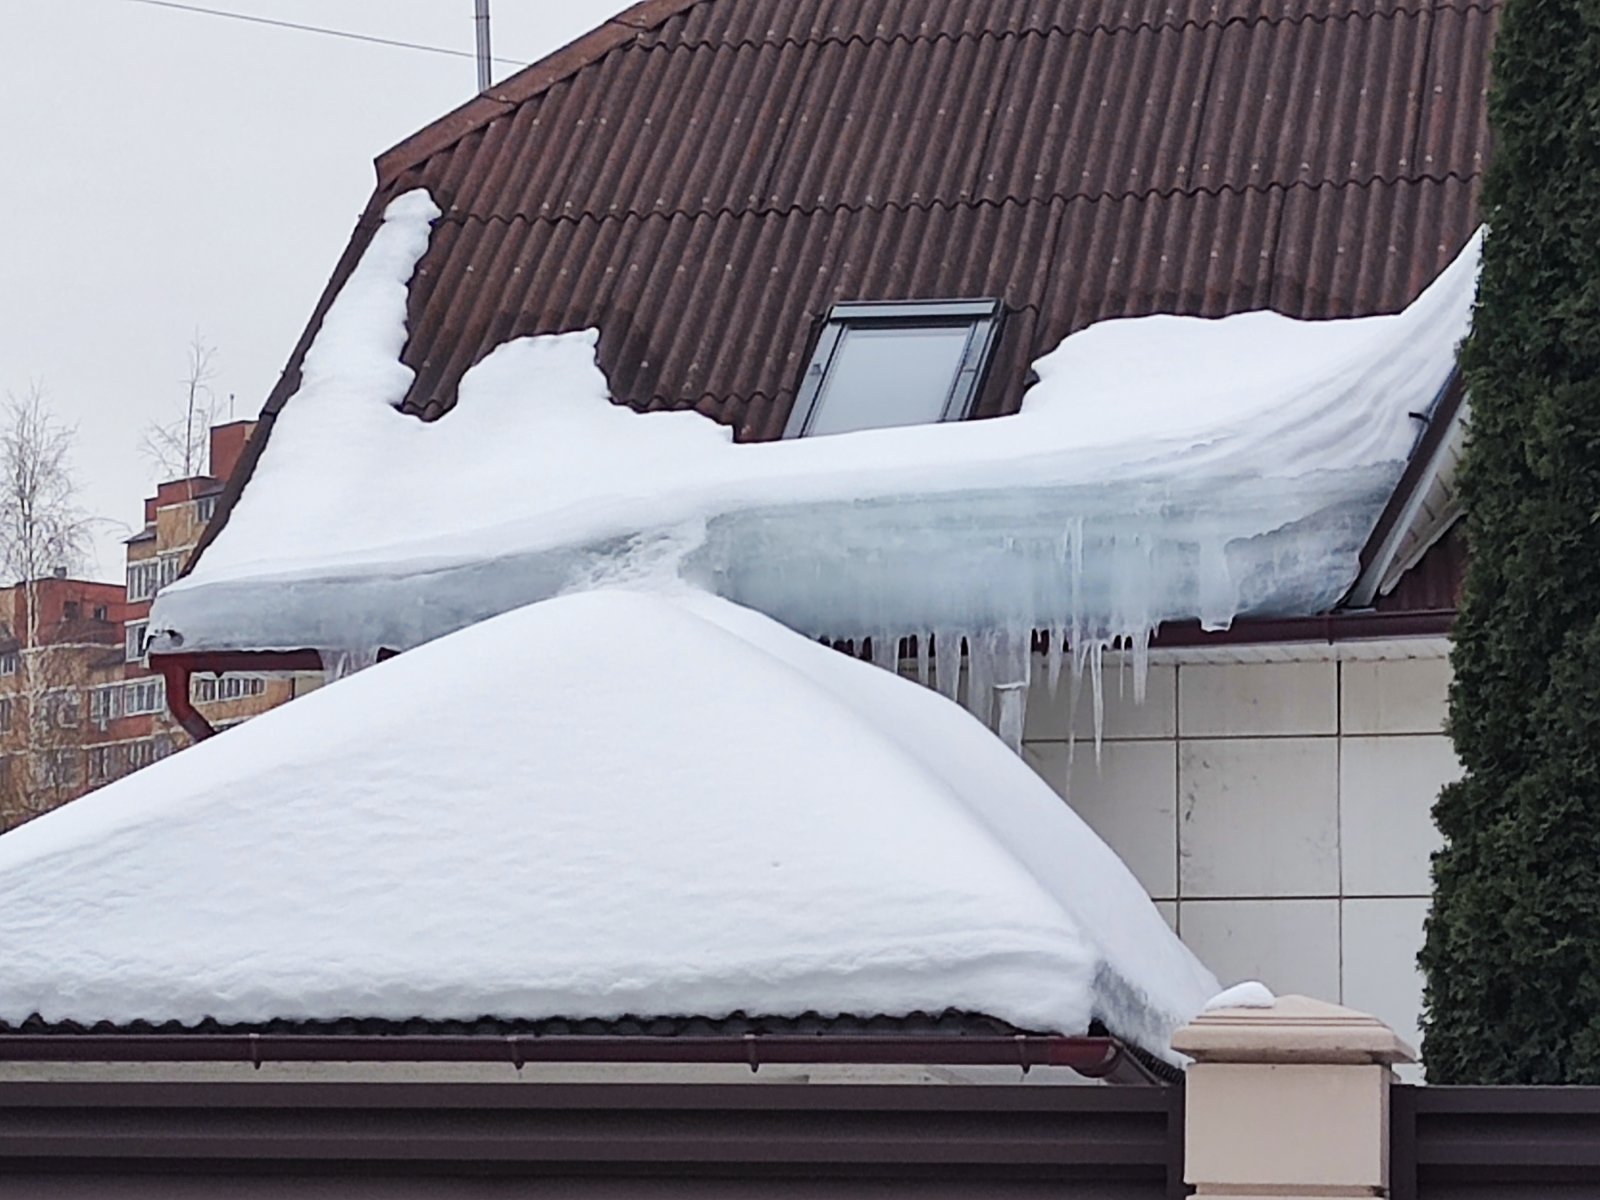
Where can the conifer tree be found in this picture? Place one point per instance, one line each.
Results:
(1512, 954)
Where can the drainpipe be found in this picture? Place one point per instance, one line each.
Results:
(177, 669)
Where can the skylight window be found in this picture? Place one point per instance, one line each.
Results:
(879, 364)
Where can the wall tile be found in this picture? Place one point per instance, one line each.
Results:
(1290, 945)
(1169, 912)
(1387, 786)
(1381, 940)
(1129, 799)
(1122, 717)
(1258, 817)
(1400, 696)
(1237, 700)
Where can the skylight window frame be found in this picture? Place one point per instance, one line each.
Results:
(981, 317)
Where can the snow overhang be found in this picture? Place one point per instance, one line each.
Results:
(1279, 443)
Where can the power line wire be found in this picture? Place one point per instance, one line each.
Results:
(341, 33)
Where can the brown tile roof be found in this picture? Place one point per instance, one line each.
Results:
(702, 179)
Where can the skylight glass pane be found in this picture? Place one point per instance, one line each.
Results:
(889, 376)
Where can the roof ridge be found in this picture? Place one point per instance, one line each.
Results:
(1397, 9)
(908, 206)
(628, 27)
(526, 84)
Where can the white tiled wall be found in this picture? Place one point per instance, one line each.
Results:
(1279, 813)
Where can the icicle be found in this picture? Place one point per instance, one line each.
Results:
(1141, 663)
(924, 659)
(1055, 655)
(1097, 650)
(336, 664)
(980, 675)
(1011, 672)
(1013, 705)
(947, 662)
(886, 651)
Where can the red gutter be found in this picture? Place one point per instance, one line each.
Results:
(1096, 1057)
(176, 669)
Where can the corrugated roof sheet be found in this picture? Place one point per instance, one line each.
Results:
(705, 192)
(703, 179)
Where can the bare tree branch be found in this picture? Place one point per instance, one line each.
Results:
(42, 531)
(178, 447)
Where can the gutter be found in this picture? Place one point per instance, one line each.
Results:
(1094, 1057)
(1443, 419)
(1342, 626)
(1329, 628)
(177, 669)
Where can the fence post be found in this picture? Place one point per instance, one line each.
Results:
(1290, 1100)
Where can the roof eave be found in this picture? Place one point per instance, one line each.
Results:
(1096, 1057)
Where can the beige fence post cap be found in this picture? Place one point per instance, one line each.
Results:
(1294, 1029)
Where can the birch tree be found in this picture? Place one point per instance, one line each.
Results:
(42, 530)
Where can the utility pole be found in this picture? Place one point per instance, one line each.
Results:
(485, 79)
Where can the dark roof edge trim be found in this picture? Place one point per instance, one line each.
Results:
(289, 379)
(1440, 419)
(1345, 626)
(527, 83)
(1092, 1056)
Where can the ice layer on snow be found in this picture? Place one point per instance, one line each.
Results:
(1163, 468)
(605, 804)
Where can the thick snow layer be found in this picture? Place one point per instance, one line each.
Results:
(605, 804)
(1163, 468)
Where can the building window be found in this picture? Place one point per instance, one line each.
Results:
(5, 713)
(10, 662)
(203, 689)
(102, 613)
(142, 578)
(60, 768)
(103, 763)
(137, 640)
(147, 750)
(144, 696)
(168, 568)
(205, 508)
(105, 704)
(901, 363)
(65, 709)
(71, 611)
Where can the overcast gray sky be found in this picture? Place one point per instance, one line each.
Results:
(167, 172)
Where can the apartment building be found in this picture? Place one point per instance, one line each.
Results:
(130, 726)
(101, 712)
(60, 639)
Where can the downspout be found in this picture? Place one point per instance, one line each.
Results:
(177, 669)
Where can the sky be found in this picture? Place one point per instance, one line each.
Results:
(170, 174)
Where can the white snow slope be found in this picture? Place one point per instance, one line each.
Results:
(1164, 468)
(604, 804)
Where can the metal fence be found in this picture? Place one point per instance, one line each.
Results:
(1474, 1143)
(816, 1142)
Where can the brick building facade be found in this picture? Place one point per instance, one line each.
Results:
(101, 712)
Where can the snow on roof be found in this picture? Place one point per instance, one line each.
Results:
(1164, 468)
(606, 804)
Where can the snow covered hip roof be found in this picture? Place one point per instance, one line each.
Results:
(537, 818)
